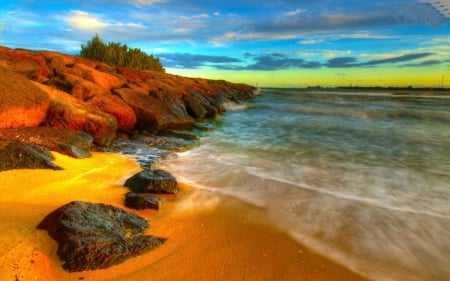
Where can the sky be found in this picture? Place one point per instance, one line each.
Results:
(281, 43)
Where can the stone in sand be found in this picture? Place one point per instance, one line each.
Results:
(18, 155)
(92, 236)
(152, 181)
(70, 142)
(141, 201)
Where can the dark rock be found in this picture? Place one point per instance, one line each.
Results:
(152, 181)
(180, 135)
(92, 236)
(73, 143)
(18, 155)
(199, 106)
(141, 201)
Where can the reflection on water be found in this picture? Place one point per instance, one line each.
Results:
(361, 178)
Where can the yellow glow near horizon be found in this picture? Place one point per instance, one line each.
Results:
(370, 77)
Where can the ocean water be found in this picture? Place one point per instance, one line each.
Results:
(362, 178)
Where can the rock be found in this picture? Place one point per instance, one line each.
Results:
(152, 181)
(93, 236)
(124, 114)
(22, 104)
(155, 112)
(73, 143)
(199, 106)
(18, 155)
(141, 201)
(95, 96)
(78, 87)
(105, 80)
(29, 63)
(68, 112)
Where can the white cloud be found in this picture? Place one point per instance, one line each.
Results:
(439, 40)
(294, 13)
(85, 21)
(317, 39)
(138, 3)
(92, 22)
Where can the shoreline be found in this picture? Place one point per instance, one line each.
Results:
(210, 237)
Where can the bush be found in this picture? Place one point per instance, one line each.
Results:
(116, 54)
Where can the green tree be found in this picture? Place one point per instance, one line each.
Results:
(94, 49)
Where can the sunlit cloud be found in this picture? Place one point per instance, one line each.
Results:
(317, 39)
(85, 21)
(138, 3)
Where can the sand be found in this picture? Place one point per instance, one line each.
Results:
(210, 237)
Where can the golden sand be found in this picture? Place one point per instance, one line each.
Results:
(210, 237)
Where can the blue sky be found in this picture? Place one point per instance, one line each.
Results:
(279, 42)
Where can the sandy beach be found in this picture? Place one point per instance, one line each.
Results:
(210, 237)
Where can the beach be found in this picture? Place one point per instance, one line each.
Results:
(209, 237)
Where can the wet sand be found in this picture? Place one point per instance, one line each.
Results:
(210, 237)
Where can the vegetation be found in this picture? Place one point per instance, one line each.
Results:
(117, 54)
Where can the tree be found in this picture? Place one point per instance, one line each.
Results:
(117, 54)
(94, 49)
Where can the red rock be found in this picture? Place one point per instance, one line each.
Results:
(133, 74)
(22, 104)
(155, 112)
(29, 63)
(126, 118)
(105, 80)
(66, 111)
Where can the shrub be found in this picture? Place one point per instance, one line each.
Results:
(116, 54)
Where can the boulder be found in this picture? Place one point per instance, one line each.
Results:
(93, 236)
(29, 63)
(68, 112)
(124, 114)
(78, 87)
(73, 143)
(22, 104)
(18, 155)
(94, 95)
(141, 201)
(105, 80)
(155, 113)
(152, 181)
(199, 106)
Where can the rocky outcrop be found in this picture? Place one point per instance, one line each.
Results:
(21, 103)
(92, 236)
(73, 143)
(152, 181)
(68, 112)
(111, 99)
(17, 155)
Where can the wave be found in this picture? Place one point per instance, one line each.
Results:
(362, 180)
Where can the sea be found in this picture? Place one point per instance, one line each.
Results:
(362, 178)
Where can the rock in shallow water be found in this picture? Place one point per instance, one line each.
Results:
(152, 181)
(141, 201)
(94, 235)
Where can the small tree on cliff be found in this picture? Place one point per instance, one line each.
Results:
(94, 49)
(119, 55)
